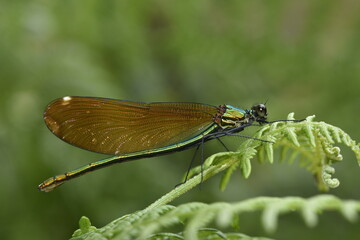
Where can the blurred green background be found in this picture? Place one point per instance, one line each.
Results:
(301, 56)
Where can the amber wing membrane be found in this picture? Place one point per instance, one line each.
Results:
(117, 127)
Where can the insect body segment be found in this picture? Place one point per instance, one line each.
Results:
(232, 117)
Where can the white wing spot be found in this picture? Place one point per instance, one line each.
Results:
(66, 100)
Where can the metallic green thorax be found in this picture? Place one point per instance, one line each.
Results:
(230, 117)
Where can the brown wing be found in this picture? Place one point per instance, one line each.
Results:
(116, 127)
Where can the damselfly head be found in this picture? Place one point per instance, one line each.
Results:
(260, 112)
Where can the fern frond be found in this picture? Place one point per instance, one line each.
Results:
(195, 217)
(311, 142)
(206, 233)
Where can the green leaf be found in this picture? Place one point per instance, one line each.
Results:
(195, 217)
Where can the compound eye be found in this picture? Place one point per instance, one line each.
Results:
(260, 110)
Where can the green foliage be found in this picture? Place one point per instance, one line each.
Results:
(312, 142)
(85, 226)
(194, 217)
(206, 233)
